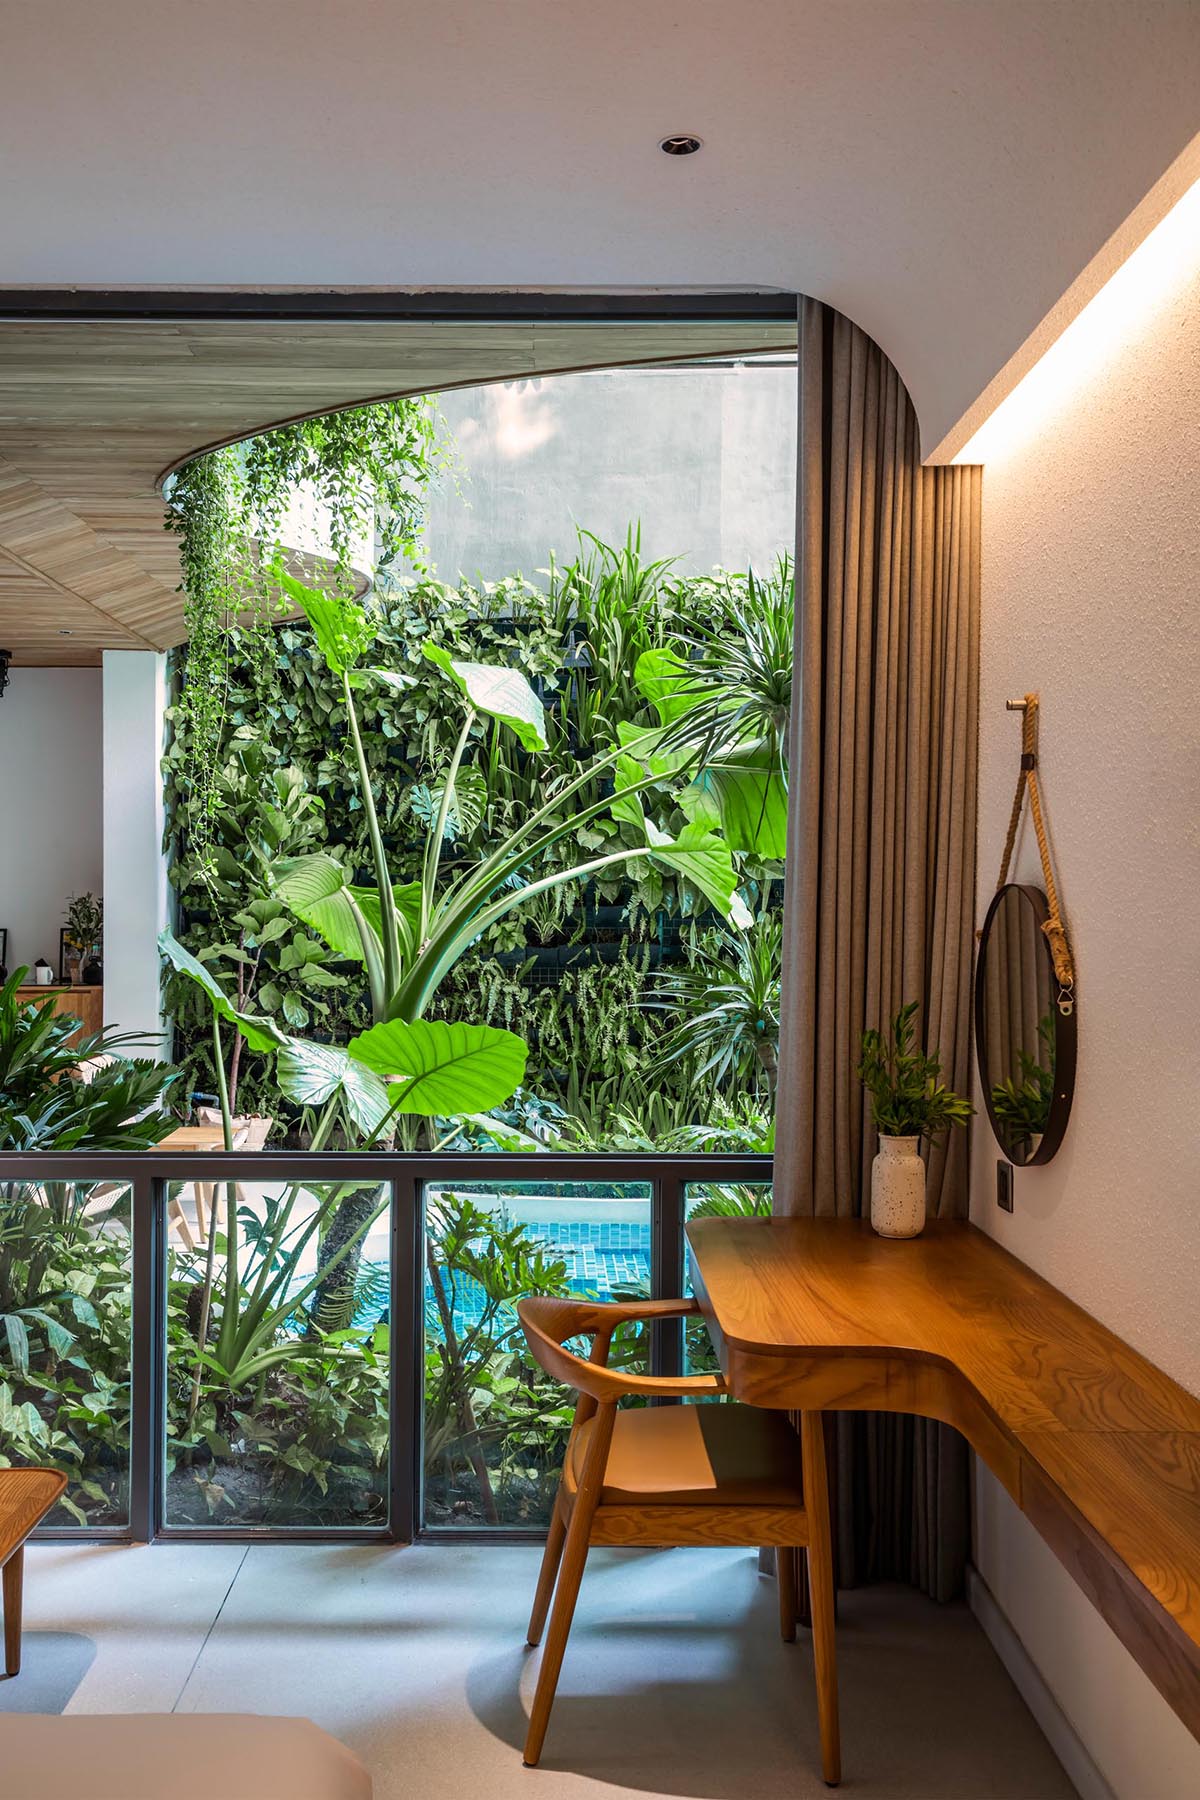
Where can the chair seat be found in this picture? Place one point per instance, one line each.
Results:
(708, 1455)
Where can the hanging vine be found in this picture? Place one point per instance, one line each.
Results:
(369, 468)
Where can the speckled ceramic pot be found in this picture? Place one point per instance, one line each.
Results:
(898, 1188)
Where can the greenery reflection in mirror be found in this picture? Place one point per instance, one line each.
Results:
(1025, 1040)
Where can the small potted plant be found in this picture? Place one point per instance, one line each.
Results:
(85, 927)
(908, 1103)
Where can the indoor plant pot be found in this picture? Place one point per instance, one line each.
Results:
(898, 1187)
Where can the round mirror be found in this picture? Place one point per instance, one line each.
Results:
(1024, 1037)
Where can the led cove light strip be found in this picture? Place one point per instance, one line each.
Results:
(1121, 311)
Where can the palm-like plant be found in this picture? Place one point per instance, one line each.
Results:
(409, 935)
(727, 1003)
(724, 696)
(44, 1102)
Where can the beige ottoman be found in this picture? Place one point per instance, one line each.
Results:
(173, 1756)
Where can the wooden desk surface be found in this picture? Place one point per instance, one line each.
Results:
(26, 1496)
(1098, 1446)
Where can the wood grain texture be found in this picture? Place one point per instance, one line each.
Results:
(1099, 1447)
(661, 1477)
(26, 1496)
(83, 1003)
(95, 413)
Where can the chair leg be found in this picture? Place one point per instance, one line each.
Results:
(548, 1575)
(13, 1581)
(567, 1592)
(785, 1577)
(820, 1576)
(570, 1574)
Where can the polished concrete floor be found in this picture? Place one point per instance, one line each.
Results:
(675, 1683)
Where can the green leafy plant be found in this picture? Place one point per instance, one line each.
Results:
(907, 1098)
(85, 925)
(726, 1002)
(409, 935)
(1021, 1104)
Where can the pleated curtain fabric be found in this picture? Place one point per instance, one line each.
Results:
(881, 864)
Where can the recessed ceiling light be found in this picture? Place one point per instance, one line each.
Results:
(680, 143)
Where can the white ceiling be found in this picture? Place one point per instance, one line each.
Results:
(939, 169)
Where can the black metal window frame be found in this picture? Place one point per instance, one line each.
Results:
(148, 1175)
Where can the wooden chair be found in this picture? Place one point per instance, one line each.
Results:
(674, 1475)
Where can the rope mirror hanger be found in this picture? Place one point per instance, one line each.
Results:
(1027, 781)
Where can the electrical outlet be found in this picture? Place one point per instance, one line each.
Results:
(1004, 1186)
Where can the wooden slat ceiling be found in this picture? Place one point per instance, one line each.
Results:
(93, 415)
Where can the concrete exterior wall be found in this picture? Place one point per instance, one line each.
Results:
(1091, 595)
(704, 457)
(50, 805)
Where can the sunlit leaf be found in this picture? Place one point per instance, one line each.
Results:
(503, 694)
(442, 1068)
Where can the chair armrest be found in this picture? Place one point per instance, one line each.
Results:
(548, 1322)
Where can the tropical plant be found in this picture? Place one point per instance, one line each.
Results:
(367, 468)
(480, 1392)
(724, 694)
(907, 1098)
(409, 935)
(726, 1001)
(45, 1101)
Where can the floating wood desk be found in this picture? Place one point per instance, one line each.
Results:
(1098, 1447)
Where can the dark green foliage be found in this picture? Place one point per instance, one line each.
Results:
(907, 1099)
(574, 638)
(44, 1102)
(726, 1003)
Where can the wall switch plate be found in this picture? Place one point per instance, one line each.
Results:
(1004, 1186)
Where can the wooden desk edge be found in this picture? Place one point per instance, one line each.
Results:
(904, 1379)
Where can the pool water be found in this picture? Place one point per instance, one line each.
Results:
(605, 1261)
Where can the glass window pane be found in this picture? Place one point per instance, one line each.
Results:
(495, 1425)
(65, 1337)
(714, 1199)
(284, 1419)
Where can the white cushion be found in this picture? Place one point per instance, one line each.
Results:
(173, 1756)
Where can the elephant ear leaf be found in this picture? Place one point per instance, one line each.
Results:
(340, 623)
(311, 1074)
(744, 788)
(502, 693)
(260, 1033)
(668, 683)
(447, 1069)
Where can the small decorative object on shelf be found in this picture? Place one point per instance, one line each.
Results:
(908, 1103)
(43, 974)
(80, 940)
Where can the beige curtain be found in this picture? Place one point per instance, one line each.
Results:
(881, 862)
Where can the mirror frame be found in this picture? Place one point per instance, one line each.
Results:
(1065, 1036)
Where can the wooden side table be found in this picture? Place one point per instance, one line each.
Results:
(26, 1496)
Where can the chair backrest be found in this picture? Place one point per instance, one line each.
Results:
(548, 1322)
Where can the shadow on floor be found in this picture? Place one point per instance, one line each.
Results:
(53, 1663)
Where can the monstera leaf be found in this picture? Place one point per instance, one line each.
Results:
(502, 693)
(447, 1069)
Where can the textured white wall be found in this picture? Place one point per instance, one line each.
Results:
(50, 806)
(1091, 595)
